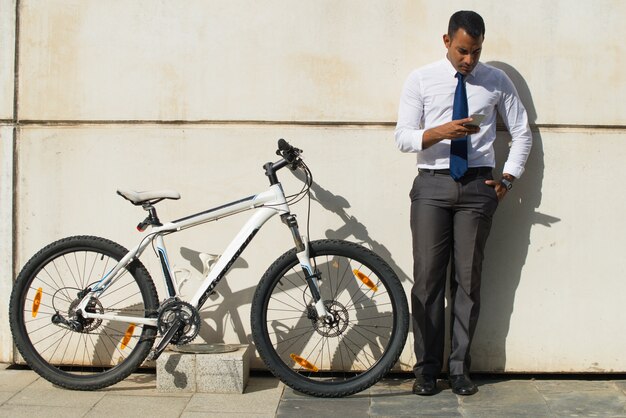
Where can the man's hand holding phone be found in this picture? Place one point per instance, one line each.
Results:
(452, 130)
(477, 119)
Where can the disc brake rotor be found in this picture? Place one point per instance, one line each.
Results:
(336, 323)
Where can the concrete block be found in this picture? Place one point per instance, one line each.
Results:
(176, 372)
(204, 372)
(223, 373)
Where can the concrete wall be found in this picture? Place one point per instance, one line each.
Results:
(161, 94)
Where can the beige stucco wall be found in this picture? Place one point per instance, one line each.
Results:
(154, 94)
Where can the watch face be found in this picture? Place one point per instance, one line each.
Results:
(507, 184)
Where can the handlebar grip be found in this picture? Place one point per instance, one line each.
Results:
(283, 145)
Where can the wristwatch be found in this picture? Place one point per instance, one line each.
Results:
(507, 184)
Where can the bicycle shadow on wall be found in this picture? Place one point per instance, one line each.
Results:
(365, 318)
(509, 241)
(359, 346)
(214, 313)
(351, 227)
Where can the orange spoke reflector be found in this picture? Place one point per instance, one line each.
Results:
(37, 302)
(366, 280)
(304, 363)
(129, 333)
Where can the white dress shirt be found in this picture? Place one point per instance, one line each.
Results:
(427, 100)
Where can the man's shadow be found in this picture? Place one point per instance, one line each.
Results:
(509, 241)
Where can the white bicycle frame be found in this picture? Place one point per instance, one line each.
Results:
(266, 205)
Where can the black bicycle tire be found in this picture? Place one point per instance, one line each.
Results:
(295, 380)
(23, 342)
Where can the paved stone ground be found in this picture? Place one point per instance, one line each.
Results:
(497, 397)
(25, 394)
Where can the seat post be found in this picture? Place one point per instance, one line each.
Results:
(152, 217)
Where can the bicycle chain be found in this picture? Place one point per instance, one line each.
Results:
(145, 311)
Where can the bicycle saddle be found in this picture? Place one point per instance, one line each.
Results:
(153, 196)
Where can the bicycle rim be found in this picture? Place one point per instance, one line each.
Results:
(354, 348)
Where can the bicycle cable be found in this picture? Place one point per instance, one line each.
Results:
(308, 194)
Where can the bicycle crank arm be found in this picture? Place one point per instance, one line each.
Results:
(176, 326)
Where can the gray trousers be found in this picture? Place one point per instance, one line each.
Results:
(450, 222)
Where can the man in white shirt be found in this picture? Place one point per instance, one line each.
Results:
(455, 195)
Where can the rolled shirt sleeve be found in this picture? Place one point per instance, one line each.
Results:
(515, 118)
(410, 127)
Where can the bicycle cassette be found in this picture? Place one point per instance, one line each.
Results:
(172, 310)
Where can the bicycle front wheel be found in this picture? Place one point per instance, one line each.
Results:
(96, 353)
(346, 352)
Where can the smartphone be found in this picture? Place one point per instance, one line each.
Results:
(478, 118)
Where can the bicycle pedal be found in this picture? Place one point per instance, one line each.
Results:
(153, 355)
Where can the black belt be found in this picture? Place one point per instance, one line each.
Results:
(472, 171)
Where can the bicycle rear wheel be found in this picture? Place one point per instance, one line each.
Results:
(346, 353)
(103, 352)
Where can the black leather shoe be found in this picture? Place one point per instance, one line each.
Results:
(462, 385)
(425, 385)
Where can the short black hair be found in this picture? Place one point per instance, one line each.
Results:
(469, 21)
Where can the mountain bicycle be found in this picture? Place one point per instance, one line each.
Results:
(329, 318)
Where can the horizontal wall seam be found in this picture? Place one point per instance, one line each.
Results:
(68, 123)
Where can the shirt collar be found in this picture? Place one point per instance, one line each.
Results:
(450, 68)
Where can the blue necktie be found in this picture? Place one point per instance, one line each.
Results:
(458, 147)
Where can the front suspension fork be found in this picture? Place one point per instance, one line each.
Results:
(302, 252)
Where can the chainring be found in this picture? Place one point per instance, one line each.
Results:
(174, 309)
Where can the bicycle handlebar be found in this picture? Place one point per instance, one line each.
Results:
(291, 158)
(290, 153)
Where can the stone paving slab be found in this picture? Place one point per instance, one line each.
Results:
(570, 385)
(504, 398)
(296, 404)
(44, 393)
(224, 415)
(578, 397)
(261, 397)
(5, 396)
(394, 397)
(607, 403)
(21, 411)
(15, 380)
(132, 406)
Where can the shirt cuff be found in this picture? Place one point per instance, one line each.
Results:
(409, 140)
(513, 169)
